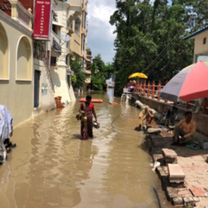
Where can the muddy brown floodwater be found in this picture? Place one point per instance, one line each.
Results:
(52, 168)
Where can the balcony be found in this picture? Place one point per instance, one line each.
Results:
(56, 43)
(20, 14)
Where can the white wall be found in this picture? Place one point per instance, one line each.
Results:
(59, 73)
(46, 98)
(201, 48)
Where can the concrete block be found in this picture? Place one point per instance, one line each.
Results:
(157, 157)
(176, 174)
(154, 131)
(178, 201)
(171, 193)
(189, 201)
(170, 156)
(169, 153)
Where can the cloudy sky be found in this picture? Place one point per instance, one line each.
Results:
(100, 34)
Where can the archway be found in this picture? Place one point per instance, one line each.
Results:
(4, 70)
(24, 60)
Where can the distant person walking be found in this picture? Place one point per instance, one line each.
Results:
(87, 110)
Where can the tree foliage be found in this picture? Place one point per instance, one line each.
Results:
(150, 37)
(78, 78)
(100, 72)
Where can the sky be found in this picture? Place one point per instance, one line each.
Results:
(100, 32)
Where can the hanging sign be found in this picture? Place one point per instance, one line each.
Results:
(42, 22)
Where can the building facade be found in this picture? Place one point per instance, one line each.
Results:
(200, 44)
(69, 31)
(78, 30)
(33, 72)
(16, 60)
(60, 53)
(25, 85)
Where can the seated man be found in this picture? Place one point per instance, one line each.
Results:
(184, 129)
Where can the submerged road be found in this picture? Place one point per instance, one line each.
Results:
(52, 168)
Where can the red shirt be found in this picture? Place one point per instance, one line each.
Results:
(90, 107)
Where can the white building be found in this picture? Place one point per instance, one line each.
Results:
(60, 55)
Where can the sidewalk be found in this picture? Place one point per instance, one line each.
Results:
(192, 162)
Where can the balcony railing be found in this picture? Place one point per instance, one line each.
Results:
(56, 42)
(21, 14)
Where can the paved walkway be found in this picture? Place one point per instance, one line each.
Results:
(194, 165)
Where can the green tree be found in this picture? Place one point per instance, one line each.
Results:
(150, 39)
(100, 72)
(78, 79)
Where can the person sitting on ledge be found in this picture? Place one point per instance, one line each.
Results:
(148, 117)
(145, 119)
(184, 129)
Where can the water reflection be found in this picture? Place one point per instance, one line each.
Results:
(51, 168)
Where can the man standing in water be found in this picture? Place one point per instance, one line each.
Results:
(184, 129)
(88, 110)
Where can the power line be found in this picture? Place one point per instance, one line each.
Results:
(162, 52)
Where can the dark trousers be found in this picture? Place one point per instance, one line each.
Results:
(179, 133)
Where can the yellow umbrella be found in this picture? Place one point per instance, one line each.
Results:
(139, 75)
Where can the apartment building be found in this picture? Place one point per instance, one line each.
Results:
(78, 31)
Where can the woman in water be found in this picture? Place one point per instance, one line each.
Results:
(87, 109)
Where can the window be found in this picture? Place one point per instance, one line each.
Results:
(77, 26)
(70, 24)
(83, 43)
(68, 60)
(68, 44)
(83, 19)
(24, 60)
(68, 80)
(53, 61)
(204, 41)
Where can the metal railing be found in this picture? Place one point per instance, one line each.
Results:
(56, 42)
(152, 91)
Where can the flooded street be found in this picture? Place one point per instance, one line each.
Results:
(52, 168)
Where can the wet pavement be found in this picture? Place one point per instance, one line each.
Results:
(52, 168)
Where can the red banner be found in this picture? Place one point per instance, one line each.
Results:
(42, 22)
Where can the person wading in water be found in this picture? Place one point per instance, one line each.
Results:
(87, 110)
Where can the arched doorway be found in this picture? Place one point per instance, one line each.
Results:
(4, 70)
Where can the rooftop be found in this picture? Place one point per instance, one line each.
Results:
(196, 33)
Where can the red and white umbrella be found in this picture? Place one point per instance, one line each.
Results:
(189, 84)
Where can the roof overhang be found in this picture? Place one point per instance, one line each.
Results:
(196, 33)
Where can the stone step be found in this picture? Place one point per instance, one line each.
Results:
(176, 174)
(170, 156)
